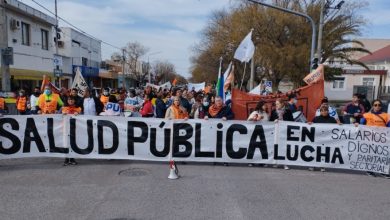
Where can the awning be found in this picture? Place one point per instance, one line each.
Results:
(108, 75)
(21, 74)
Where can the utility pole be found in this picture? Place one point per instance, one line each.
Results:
(123, 69)
(5, 70)
(57, 69)
(320, 28)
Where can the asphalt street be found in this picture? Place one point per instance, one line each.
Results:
(41, 188)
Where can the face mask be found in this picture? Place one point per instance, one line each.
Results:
(295, 101)
(36, 93)
(105, 93)
(21, 94)
(47, 92)
(205, 103)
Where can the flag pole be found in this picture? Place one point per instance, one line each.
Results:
(242, 80)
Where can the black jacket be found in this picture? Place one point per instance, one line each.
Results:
(98, 105)
(287, 116)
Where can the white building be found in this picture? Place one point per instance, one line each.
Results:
(29, 33)
(356, 79)
(79, 50)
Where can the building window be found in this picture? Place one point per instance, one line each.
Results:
(84, 61)
(45, 39)
(368, 81)
(339, 83)
(25, 34)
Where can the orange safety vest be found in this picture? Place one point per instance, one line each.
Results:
(48, 106)
(376, 120)
(104, 100)
(21, 104)
(2, 103)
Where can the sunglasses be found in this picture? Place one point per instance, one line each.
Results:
(376, 105)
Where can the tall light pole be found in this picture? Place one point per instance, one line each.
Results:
(313, 26)
(324, 6)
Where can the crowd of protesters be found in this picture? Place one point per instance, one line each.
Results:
(182, 103)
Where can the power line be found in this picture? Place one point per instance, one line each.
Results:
(79, 29)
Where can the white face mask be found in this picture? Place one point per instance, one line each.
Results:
(21, 94)
(295, 101)
(105, 93)
(206, 103)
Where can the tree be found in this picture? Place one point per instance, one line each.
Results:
(133, 52)
(164, 71)
(282, 40)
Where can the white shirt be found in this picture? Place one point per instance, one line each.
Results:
(33, 101)
(89, 106)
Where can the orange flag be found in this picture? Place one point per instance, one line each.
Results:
(45, 81)
(174, 81)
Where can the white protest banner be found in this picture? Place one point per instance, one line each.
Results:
(153, 86)
(79, 83)
(37, 136)
(166, 85)
(335, 146)
(290, 143)
(196, 86)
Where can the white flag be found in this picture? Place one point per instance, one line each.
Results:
(245, 51)
(227, 71)
(79, 83)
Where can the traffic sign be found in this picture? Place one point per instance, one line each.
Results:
(57, 60)
(57, 72)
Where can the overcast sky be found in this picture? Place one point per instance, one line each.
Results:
(168, 27)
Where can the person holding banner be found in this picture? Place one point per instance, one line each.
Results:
(132, 104)
(282, 113)
(112, 108)
(74, 92)
(34, 99)
(160, 105)
(353, 111)
(176, 110)
(91, 104)
(71, 109)
(48, 102)
(376, 117)
(332, 111)
(104, 97)
(200, 108)
(324, 117)
(3, 106)
(147, 107)
(260, 113)
(219, 110)
(22, 102)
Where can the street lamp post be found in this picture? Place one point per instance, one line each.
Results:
(313, 26)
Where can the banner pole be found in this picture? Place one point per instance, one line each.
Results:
(242, 80)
